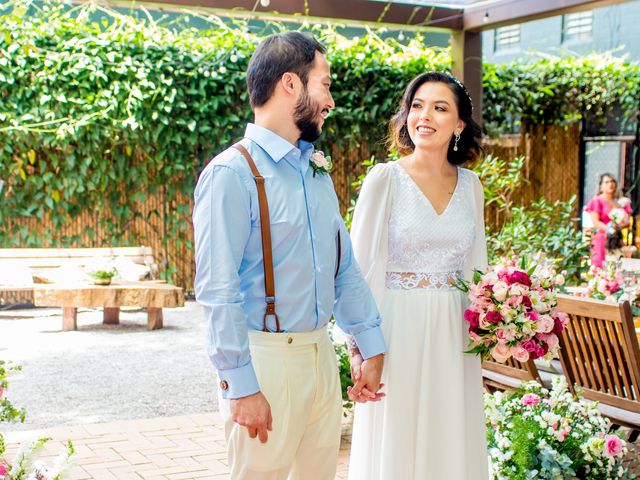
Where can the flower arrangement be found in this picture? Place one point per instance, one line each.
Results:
(604, 283)
(26, 467)
(608, 284)
(513, 312)
(534, 433)
(320, 163)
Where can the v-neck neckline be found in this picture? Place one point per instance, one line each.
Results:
(422, 194)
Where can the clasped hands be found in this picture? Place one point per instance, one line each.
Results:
(366, 378)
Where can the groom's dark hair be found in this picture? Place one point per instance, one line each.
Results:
(293, 52)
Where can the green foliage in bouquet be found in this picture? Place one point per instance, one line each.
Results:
(534, 433)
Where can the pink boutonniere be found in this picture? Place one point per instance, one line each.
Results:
(320, 163)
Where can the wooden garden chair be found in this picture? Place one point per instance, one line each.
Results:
(511, 374)
(601, 358)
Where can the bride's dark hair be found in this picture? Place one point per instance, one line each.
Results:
(468, 146)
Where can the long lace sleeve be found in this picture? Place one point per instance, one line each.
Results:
(478, 256)
(370, 228)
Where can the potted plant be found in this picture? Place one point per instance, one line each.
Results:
(103, 277)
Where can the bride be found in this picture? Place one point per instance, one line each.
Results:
(419, 225)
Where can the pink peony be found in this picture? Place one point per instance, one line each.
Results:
(612, 445)
(519, 277)
(501, 352)
(520, 354)
(530, 399)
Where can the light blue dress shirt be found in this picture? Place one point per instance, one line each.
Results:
(305, 220)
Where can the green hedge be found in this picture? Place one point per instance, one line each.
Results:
(98, 114)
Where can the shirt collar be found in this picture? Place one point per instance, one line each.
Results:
(277, 147)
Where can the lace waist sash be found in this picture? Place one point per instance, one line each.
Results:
(422, 280)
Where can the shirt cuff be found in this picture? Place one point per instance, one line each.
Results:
(238, 382)
(370, 342)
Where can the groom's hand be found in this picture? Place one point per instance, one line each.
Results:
(254, 413)
(367, 386)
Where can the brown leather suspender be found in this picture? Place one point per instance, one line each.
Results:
(267, 252)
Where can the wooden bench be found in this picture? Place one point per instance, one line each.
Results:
(601, 357)
(152, 296)
(69, 294)
(41, 263)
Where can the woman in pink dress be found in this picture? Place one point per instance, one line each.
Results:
(600, 207)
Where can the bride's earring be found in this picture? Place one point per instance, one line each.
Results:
(456, 140)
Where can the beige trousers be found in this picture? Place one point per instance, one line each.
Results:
(298, 374)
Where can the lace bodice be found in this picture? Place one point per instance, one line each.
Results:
(423, 242)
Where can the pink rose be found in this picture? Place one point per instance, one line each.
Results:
(500, 290)
(612, 286)
(493, 317)
(545, 324)
(3, 470)
(517, 290)
(529, 345)
(612, 445)
(483, 322)
(526, 301)
(475, 338)
(519, 277)
(532, 315)
(501, 352)
(538, 352)
(472, 317)
(520, 354)
(530, 399)
(558, 326)
(551, 339)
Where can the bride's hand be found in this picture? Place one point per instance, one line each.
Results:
(355, 360)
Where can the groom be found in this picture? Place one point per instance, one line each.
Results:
(274, 262)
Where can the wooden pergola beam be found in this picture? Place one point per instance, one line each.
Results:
(361, 11)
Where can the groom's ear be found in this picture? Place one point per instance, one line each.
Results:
(288, 82)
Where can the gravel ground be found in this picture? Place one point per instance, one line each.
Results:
(103, 373)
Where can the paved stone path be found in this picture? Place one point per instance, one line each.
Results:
(168, 448)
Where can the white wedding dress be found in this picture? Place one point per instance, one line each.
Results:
(431, 424)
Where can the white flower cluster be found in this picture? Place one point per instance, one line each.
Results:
(547, 435)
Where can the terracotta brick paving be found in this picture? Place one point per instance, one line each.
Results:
(168, 448)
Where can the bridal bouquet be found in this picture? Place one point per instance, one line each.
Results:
(619, 216)
(535, 433)
(513, 312)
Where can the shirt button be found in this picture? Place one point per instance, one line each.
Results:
(289, 340)
(224, 385)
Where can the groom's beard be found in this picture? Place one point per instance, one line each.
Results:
(306, 116)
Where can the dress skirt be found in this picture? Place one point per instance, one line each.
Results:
(431, 424)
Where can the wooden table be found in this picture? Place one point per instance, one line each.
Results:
(150, 295)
